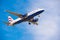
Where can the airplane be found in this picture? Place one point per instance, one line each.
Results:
(29, 17)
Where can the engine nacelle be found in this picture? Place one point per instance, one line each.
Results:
(35, 20)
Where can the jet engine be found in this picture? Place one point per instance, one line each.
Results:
(35, 20)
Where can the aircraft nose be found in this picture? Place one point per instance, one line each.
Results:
(42, 11)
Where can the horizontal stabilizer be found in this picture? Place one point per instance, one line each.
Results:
(6, 22)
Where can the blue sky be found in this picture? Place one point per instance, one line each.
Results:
(48, 22)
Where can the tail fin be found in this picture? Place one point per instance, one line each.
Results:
(10, 19)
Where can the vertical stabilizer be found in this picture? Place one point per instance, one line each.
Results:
(10, 19)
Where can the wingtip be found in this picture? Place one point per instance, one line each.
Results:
(7, 11)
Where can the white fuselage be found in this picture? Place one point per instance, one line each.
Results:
(18, 19)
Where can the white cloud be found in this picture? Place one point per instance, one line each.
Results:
(48, 27)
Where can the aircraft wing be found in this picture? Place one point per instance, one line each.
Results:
(33, 22)
(19, 15)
